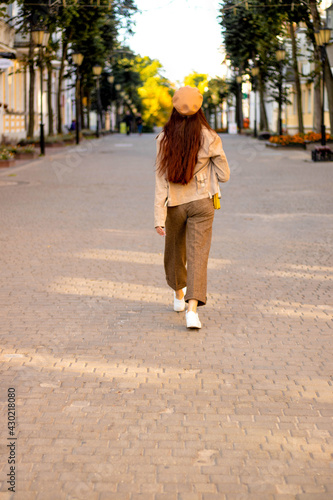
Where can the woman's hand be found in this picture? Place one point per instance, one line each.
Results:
(160, 230)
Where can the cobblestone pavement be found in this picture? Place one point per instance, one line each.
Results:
(115, 399)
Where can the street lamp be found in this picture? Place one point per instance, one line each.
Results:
(78, 59)
(280, 57)
(40, 38)
(323, 36)
(255, 73)
(97, 70)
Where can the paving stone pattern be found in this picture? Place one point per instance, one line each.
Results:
(115, 399)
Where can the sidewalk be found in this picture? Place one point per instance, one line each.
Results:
(115, 399)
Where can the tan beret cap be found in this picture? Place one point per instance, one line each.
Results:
(187, 100)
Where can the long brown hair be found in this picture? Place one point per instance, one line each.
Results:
(180, 145)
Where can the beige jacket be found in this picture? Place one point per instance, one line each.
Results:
(212, 167)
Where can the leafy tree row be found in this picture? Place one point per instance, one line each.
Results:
(254, 30)
(74, 26)
(92, 30)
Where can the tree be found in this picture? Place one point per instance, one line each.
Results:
(295, 13)
(75, 24)
(49, 55)
(238, 44)
(315, 26)
(155, 92)
(32, 16)
(297, 78)
(248, 34)
(126, 74)
(215, 92)
(252, 28)
(199, 80)
(251, 32)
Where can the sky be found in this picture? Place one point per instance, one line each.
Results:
(184, 35)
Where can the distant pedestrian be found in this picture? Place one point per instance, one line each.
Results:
(128, 120)
(139, 123)
(189, 164)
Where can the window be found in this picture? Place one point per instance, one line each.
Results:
(306, 69)
(309, 100)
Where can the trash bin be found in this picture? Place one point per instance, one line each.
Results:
(123, 128)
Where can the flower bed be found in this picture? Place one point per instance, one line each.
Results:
(68, 138)
(54, 141)
(29, 141)
(23, 152)
(7, 158)
(298, 139)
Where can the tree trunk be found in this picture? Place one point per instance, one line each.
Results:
(263, 124)
(240, 107)
(60, 79)
(317, 92)
(329, 88)
(88, 109)
(25, 99)
(279, 120)
(31, 124)
(99, 107)
(317, 106)
(49, 98)
(297, 79)
(237, 110)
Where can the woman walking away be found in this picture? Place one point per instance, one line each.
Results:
(190, 162)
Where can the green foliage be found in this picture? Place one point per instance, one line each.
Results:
(216, 91)
(254, 34)
(93, 31)
(5, 154)
(17, 149)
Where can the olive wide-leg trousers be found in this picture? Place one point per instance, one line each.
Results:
(188, 238)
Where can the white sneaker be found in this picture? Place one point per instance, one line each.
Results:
(179, 304)
(192, 320)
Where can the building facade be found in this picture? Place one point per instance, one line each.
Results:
(15, 84)
(12, 84)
